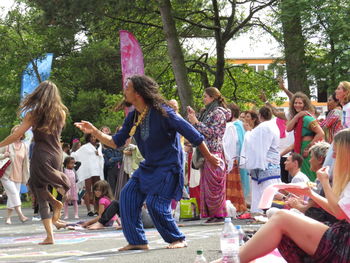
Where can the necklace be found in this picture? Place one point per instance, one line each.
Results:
(140, 119)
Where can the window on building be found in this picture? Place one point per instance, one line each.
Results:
(261, 68)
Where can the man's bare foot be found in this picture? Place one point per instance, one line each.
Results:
(134, 247)
(177, 244)
(56, 207)
(8, 221)
(96, 226)
(119, 227)
(47, 241)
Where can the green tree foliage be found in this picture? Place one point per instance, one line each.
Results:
(328, 30)
(84, 37)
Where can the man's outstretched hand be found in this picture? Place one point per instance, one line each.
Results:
(85, 126)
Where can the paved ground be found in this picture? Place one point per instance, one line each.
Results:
(18, 243)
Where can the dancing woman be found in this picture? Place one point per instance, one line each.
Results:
(307, 131)
(46, 114)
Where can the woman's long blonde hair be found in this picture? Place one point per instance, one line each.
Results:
(346, 87)
(342, 164)
(46, 108)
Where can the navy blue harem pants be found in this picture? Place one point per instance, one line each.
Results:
(158, 205)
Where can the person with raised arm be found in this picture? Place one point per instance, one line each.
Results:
(44, 111)
(156, 128)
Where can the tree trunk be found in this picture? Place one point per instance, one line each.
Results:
(176, 55)
(220, 49)
(294, 46)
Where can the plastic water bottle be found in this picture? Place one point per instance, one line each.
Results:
(200, 258)
(241, 235)
(229, 243)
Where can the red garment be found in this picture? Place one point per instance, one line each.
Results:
(298, 135)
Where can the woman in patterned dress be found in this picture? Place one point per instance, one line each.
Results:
(212, 124)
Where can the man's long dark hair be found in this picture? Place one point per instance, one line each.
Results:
(148, 89)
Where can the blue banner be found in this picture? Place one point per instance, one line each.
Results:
(38, 70)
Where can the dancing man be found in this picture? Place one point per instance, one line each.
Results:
(156, 128)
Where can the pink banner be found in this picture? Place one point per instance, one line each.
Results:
(131, 55)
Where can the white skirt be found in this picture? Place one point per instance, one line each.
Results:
(12, 190)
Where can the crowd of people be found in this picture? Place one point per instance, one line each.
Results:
(151, 159)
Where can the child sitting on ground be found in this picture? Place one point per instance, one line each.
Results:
(103, 198)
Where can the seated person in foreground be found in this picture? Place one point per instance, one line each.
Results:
(300, 238)
(318, 153)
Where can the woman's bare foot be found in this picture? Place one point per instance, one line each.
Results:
(96, 226)
(8, 221)
(59, 225)
(24, 219)
(47, 241)
(119, 227)
(177, 244)
(134, 247)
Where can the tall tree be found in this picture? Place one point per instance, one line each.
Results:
(176, 55)
(294, 45)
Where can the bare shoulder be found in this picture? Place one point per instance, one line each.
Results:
(28, 118)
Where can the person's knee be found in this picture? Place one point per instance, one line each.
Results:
(279, 216)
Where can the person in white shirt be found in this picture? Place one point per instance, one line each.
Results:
(292, 165)
(260, 155)
(91, 169)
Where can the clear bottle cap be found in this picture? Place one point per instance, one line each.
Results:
(228, 219)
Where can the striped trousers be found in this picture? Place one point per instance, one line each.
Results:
(158, 205)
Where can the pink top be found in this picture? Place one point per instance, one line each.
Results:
(17, 168)
(106, 202)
